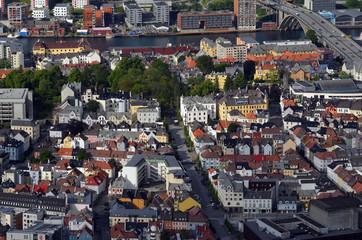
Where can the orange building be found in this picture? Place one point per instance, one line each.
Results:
(88, 13)
(139, 199)
(93, 17)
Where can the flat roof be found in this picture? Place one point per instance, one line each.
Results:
(341, 85)
(136, 159)
(10, 94)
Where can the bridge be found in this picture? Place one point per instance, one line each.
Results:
(294, 17)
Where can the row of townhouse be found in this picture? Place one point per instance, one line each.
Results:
(220, 106)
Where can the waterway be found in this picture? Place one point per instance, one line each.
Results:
(129, 42)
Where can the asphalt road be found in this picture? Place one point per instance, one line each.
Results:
(216, 217)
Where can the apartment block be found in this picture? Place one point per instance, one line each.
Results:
(133, 13)
(39, 3)
(245, 14)
(79, 4)
(320, 5)
(17, 13)
(16, 104)
(40, 13)
(13, 51)
(204, 20)
(108, 14)
(161, 10)
(61, 10)
(227, 50)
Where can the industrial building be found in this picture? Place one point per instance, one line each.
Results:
(204, 20)
(245, 14)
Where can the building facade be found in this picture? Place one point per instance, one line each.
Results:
(245, 14)
(79, 4)
(161, 10)
(204, 20)
(133, 13)
(320, 5)
(16, 104)
(17, 13)
(61, 10)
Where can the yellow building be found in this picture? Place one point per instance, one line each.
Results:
(118, 117)
(161, 136)
(139, 199)
(67, 141)
(136, 104)
(186, 204)
(220, 77)
(209, 47)
(60, 47)
(266, 72)
(29, 126)
(244, 103)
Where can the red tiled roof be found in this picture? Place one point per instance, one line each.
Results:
(162, 51)
(65, 152)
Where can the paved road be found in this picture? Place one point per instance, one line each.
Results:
(216, 217)
(101, 216)
(323, 28)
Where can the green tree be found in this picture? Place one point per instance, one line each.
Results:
(239, 81)
(233, 127)
(92, 106)
(181, 59)
(205, 64)
(46, 156)
(119, 9)
(311, 35)
(203, 89)
(221, 5)
(352, 4)
(343, 75)
(82, 154)
(228, 84)
(75, 75)
(220, 67)
(174, 30)
(5, 64)
(112, 161)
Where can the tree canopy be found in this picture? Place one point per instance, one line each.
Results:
(205, 64)
(92, 106)
(233, 127)
(311, 35)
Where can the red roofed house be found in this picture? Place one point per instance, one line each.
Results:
(322, 159)
(118, 232)
(95, 183)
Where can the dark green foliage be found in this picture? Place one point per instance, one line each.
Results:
(83, 155)
(5, 64)
(221, 5)
(181, 59)
(352, 4)
(203, 89)
(220, 67)
(92, 106)
(205, 64)
(45, 156)
(311, 35)
(249, 69)
(228, 84)
(233, 127)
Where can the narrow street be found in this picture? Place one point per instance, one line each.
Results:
(216, 217)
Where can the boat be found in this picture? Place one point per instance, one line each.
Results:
(358, 38)
(13, 36)
(109, 36)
